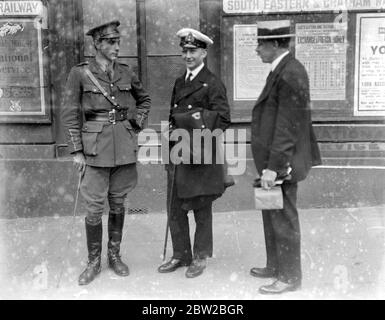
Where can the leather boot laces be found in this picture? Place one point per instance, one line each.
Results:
(115, 257)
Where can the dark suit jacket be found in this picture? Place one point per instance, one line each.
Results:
(206, 96)
(281, 128)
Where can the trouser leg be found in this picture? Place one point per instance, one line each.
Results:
(286, 228)
(94, 189)
(271, 250)
(203, 239)
(177, 220)
(180, 231)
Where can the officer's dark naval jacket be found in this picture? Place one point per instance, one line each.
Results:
(104, 143)
(201, 104)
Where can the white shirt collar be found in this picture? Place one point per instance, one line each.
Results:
(195, 71)
(275, 63)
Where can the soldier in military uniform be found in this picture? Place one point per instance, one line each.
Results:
(198, 102)
(101, 128)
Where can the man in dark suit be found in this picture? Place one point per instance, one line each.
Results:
(101, 128)
(198, 103)
(282, 139)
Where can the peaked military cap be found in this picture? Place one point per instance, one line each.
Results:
(274, 29)
(105, 31)
(190, 38)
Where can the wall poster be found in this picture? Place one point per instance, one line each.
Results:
(249, 71)
(369, 87)
(321, 47)
(22, 87)
(271, 6)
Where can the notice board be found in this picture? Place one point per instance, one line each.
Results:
(369, 91)
(23, 78)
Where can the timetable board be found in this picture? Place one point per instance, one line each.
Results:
(325, 43)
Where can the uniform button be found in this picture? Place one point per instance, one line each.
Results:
(203, 126)
(111, 85)
(175, 105)
(189, 106)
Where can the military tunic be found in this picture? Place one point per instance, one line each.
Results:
(110, 149)
(104, 144)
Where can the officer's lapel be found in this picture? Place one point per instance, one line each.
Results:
(271, 80)
(183, 91)
(179, 85)
(118, 70)
(97, 71)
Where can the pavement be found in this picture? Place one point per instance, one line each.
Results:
(343, 257)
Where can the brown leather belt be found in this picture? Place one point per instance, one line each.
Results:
(112, 116)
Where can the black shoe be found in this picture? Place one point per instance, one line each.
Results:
(263, 272)
(278, 287)
(172, 265)
(116, 264)
(196, 268)
(88, 275)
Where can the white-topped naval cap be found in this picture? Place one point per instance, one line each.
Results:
(191, 38)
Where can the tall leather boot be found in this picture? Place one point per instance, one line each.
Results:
(94, 235)
(115, 228)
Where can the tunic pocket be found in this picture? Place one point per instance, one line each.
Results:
(123, 94)
(124, 86)
(91, 88)
(90, 134)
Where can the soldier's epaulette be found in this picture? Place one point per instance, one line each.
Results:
(82, 64)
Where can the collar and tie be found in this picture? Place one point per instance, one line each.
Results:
(107, 69)
(110, 71)
(188, 79)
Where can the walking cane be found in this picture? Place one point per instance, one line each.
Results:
(81, 174)
(168, 211)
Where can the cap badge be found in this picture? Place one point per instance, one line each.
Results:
(190, 38)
